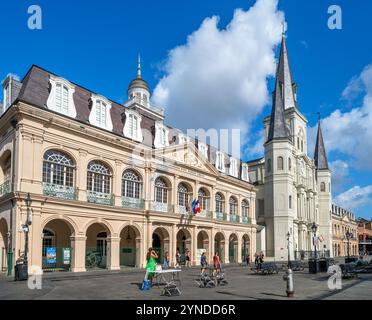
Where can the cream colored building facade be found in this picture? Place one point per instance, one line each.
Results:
(343, 222)
(101, 199)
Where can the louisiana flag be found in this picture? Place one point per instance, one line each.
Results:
(195, 206)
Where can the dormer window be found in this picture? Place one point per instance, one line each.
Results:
(203, 149)
(245, 175)
(61, 97)
(183, 139)
(220, 161)
(161, 135)
(100, 114)
(132, 127)
(233, 167)
(7, 96)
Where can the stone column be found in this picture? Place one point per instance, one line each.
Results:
(149, 235)
(226, 251)
(36, 239)
(113, 253)
(173, 237)
(239, 253)
(173, 194)
(78, 253)
(81, 175)
(116, 183)
(194, 246)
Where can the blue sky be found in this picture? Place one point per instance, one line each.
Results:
(95, 44)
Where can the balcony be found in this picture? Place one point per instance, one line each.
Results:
(246, 220)
(132, 203)
(182, 210)
(161, 207)
(100, 198)
(234, 218)
(206, 214)
(59, 191)
(5, 188)
(221, 216)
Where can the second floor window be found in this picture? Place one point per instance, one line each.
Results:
(161, 191)
(99, 177)
(203, 199)
(220, 161)
(133, 125)
(183, 195)
(219, 203)
(233, 206)
(233, 167)
(131, 184)
(245, 208)
(58, 169)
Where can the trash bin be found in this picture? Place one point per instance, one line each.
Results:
(21, 272)
(323, 265)
(313, 266)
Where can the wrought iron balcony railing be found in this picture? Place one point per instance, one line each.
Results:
(59, 191)
(206, 214)
(221, 216)
(100, 198)
(182, 210)
(247, 220)
(161, 207)
(5, 188)
(132, 203)
(234, 218)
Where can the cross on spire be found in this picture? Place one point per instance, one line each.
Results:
(139, 67)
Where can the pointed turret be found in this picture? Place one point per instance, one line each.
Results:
(283, 97)
(320, 156)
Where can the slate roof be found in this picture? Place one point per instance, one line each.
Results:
(320, 155)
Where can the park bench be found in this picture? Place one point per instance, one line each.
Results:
(266, 268)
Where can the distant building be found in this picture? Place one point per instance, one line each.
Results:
(365, 235)
(343, 222)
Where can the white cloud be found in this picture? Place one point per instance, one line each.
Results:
(340, 174)
(350, 133)
(355, 198)
(218, 79)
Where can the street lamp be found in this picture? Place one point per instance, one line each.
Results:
(349, 236)
(314, 228)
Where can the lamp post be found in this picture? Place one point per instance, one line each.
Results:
(288, 277)
(349, 236)
(289, 257)
(314, 228)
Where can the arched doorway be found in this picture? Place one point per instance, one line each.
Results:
(183, 243)
(5, 173)
(160, 242)
(203, 245)
(96, 246)
(245, 247)
(130, 247)
(219, 246)
(3, 245)
(56, 247)
(233, 248)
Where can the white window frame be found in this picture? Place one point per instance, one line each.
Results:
(220, 157)
(159, 139)
(233, 167)
(137, 136)
(245, 172)
(51, 103)
(93, 113)
(203, 149)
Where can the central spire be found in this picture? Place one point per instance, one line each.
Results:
(139, 67)
(320, 156)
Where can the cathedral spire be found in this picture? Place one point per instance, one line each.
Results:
(320, 156)
(283, 97)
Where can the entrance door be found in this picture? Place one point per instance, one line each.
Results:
(102, 247)
(156, 245)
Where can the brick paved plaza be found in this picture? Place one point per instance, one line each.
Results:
(243, 285)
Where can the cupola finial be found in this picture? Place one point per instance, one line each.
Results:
(139, 67)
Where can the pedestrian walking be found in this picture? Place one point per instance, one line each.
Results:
(178, 259)
(203, 262)
(216, 263)
(247, 258)
(166, 261)
(256, 259)
(188, 258)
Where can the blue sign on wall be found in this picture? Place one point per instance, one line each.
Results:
(51, 255)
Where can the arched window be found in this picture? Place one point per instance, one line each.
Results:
(245, 208)
(183, 195)
(322, 187)
(219, 203)
(131, 184)
(99, 177)
(161, 191)
(269, 165)
(203, 199)
(58, 169)
(280, 163)
(233, 203)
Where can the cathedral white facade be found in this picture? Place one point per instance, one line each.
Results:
(294, 189)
